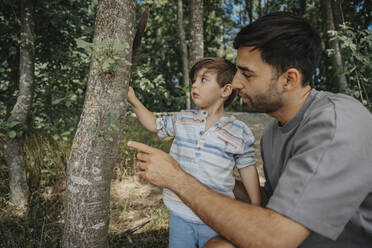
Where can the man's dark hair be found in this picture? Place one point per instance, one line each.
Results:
(285, 41)
(225, 72)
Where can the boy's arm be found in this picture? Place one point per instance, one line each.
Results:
(145, 117)
(249, 176)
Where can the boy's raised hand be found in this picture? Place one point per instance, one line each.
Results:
(131, 96)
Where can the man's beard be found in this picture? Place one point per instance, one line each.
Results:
(268, 102)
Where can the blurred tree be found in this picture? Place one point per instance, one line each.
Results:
(184, 53)
(339, 80)
(196, 35)
(17, 121)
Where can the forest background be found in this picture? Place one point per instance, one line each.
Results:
(63, 31)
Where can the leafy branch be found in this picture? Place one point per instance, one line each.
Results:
(106, 53)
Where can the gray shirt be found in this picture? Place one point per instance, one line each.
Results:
(319, 170)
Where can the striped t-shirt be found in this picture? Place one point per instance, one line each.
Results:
(209, 156)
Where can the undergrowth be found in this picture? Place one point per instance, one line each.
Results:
(46, 160)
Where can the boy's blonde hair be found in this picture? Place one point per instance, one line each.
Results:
(225, 72)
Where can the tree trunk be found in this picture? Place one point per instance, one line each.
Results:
(249, 5)
(196, 34)
(336, 59)
(259, 8)
(338, 16)
(14, 147)
(267, 7)
(302, 8)
(184, 55)
(96, 142)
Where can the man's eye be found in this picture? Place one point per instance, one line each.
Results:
(203, 80)
(246, 76)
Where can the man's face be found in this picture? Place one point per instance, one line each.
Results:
(257, 82)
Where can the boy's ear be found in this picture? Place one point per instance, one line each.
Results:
(226, 90)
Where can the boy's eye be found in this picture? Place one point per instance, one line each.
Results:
(203, 80)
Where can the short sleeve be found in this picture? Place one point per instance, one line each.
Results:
(165, 126)
(329, 174)
(245, 154)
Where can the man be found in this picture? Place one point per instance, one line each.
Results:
(317, 153)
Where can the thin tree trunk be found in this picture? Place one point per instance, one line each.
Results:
(137, 40)
(302, 8)
(96, 142)
(336, 59)
(220, 38)
(184, 55)
(249, 5)
(267, 7)
(14, 147)
(259, 8)
(338, 16)
(196, 34)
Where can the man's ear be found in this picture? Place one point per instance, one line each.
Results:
(226, 90)
(292, 79)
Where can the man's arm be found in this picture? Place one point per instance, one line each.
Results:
(145, 117)
(249, 176)
(243, 224)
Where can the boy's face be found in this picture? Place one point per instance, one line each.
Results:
(205, 90)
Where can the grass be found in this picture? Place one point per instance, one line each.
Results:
(132, 200)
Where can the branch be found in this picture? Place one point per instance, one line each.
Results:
(137, 39)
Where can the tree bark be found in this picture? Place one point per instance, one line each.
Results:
(184, 55)
(96, 142)
(340, 81)
(196, 34)
(14, 147)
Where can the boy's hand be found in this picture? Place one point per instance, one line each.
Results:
(156, 166)
(131, 96)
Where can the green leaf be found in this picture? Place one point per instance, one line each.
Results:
(57, 101)
(127, 62)
(12, 134)
(84, 45)
(108, 64)
(118, 47)
(14, 123)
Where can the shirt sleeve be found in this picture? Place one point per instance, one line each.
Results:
(245, 155)
(326, 178)
(165, 126)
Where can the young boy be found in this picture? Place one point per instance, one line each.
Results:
(207, 144)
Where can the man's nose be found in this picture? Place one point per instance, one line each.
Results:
(236, 82)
